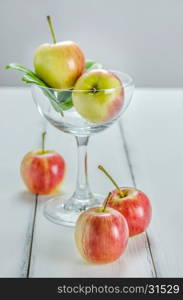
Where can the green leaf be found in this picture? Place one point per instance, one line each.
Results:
(67, 104)
(29, 76)
(46, 91)
(91, 65)
(56, 105)
(88, 64)
(63, 95)
(20, 68)
(33, 80)
(61, 100)
(65, 99)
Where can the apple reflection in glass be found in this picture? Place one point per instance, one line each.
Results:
(97, 101)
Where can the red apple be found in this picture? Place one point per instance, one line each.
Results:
(133, 204)
(101, 235)
(43, 171)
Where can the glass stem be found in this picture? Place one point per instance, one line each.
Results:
(82, 191)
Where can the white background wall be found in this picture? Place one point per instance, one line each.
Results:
(141, 37)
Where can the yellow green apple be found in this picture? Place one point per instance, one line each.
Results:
(59, 64)
(98, 95)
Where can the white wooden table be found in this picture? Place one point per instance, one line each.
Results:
(146, 150)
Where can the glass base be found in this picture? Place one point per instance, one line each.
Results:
(62, 211)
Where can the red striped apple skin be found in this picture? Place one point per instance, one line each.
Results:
(101, 237)
(43, 173)
(115, 107)
(135, 207)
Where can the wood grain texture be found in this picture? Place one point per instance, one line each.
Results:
(18, 134)
(150, 157)
(54, 253)
(153, 130)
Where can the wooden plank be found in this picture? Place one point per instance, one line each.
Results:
(19, 124)
(153, 130)
(54, 253)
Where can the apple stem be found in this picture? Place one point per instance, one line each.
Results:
(101, 168)
(43, 141)
(51, 29)
(106, 201)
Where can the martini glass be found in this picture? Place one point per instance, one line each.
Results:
(61, 209)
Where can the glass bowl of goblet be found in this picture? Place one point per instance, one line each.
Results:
(57, 108)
